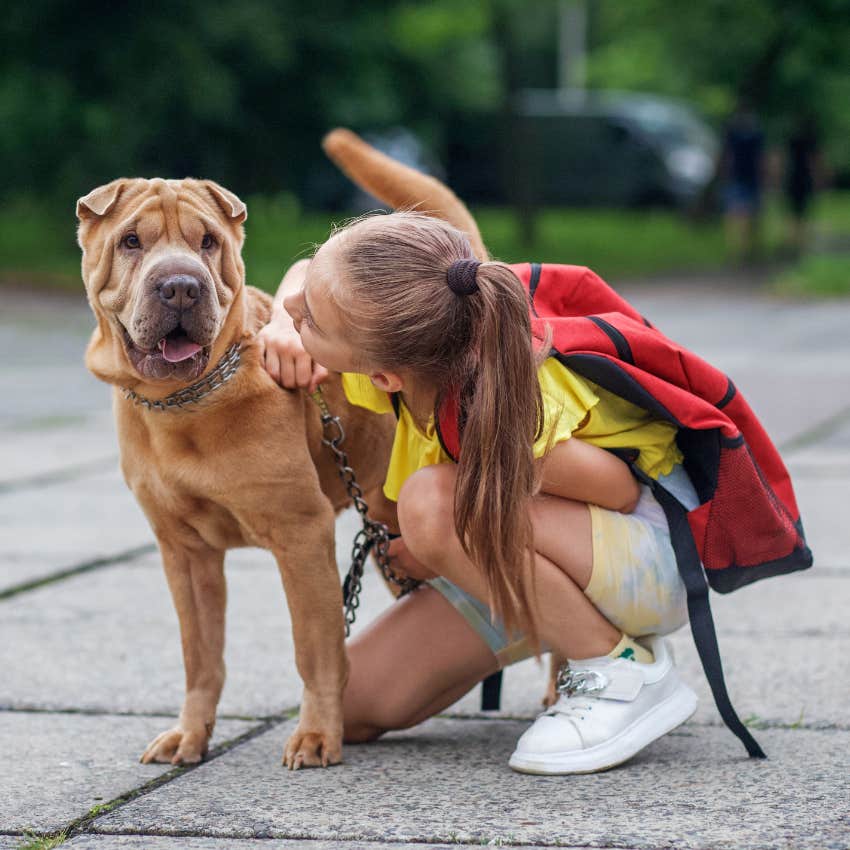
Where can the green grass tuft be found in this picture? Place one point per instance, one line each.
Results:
(42, 842)
(825, 275)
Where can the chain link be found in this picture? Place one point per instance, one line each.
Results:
(579, 682)
(373, 537)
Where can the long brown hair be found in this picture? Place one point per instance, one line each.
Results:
(394, 296)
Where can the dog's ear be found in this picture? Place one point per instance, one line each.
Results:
(100, 201)
(229, 203)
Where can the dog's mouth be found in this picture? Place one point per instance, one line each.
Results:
(177, 347)
(176, 356)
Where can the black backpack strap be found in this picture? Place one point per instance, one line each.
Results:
(491, 692)
(699, 611)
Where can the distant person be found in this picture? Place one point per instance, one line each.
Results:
(742, 173)
(803, 175)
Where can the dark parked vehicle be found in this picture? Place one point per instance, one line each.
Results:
(576, 148)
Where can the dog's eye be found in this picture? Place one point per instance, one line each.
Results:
(208, 241)
(131, 240)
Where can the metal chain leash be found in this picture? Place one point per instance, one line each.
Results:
(373, 535)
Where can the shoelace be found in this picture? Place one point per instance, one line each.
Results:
(571, 708)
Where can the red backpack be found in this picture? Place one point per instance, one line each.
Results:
(747, 525)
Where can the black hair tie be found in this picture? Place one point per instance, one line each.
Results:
(461, 277)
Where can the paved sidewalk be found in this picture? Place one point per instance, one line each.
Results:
(90, 665)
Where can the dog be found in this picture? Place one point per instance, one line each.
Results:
(216, 453)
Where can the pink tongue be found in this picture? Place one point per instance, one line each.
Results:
(175, 350)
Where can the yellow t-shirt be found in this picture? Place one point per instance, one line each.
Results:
(572, 406)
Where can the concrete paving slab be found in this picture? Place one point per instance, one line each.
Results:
(705, 794)
(8, 842)
(791, 402)
(773, 636)
(717, 320)
(46, 529)
(92, 517)
(108, 640)
(62, 447)
(823, 505)
(57, 766)
(162, 842)
(771, 681)
(80, 638)
(46, 381)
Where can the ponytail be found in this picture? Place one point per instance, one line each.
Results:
(502, 416)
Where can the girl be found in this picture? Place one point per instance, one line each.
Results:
(536, 538)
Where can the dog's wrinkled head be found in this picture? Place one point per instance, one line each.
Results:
(162, 267)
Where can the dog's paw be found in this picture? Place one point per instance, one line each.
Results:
(177, 746)
(312, 749)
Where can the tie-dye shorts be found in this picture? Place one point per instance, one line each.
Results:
(635, 582)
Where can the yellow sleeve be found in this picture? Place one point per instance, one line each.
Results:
(567, 401)
(359, 390)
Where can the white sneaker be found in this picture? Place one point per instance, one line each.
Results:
(609, 710)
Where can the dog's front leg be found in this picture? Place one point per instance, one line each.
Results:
(196, 579)
(311, 581)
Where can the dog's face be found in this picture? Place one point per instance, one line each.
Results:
(162, 268)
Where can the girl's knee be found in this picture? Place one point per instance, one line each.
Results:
(426, 509)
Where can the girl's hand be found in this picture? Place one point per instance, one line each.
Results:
(404, 565)
(284, 356)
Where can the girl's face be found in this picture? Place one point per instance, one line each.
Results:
(317, 318)
(323, 333)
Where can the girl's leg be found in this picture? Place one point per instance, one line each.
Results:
(415, 660)
(568, 621)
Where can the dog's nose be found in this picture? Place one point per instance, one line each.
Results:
(179, 291)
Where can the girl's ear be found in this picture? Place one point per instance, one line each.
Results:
(389, 382)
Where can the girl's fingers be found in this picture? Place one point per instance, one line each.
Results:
(320, 375)
(272, 363)
(303, 370)
(287, 373)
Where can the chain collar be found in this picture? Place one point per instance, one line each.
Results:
(218, 377)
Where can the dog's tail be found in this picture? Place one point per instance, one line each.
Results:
(400, 186)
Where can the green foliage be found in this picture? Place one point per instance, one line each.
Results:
(243, 92)
(783, 55)
(826, 275)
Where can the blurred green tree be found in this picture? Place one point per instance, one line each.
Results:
(242, 92)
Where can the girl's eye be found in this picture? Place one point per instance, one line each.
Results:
(208, 241)
(308, 319)
(131, 240)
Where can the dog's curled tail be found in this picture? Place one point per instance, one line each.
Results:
(400, 186)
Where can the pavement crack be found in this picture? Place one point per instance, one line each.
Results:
(83, 823)
(78, 569)
(58, 476)
(816, 433)
(285, 714)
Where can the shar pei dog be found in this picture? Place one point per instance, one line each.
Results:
(216, 453)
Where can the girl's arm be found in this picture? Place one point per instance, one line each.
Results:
(283, 354)
(574, 469)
